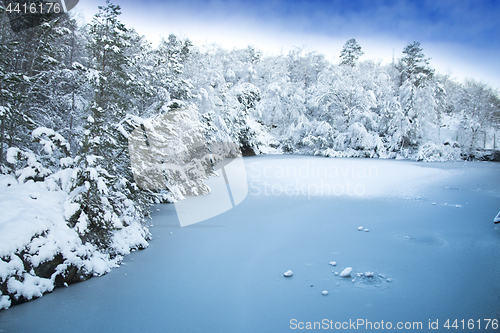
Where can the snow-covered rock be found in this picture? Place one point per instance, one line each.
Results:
(366, 230)
(333, 263)
(497, 218)
(346, 272)
(360, 228)
(288, 273)
(324, 292)
(369, 274)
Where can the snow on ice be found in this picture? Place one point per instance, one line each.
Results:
(346, 272)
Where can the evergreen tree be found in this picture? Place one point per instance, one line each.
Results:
(248, 95)
(107, 47)
(416, 94)
(350, 53)
(103, 189)
(34, 80)
(414, 66)
(169, 58)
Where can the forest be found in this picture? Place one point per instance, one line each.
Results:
(72, 93)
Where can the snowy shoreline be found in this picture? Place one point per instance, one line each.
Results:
(40, 252)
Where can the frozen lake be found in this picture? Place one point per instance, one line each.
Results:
(431, 244)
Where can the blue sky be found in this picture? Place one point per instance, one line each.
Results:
(461, 37)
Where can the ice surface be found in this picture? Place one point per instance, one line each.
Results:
(239, 252)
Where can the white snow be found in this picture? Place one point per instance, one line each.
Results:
(12, 154)
(346, 272)
(5, 302)
(333, 263)
(31, 286)
(324, 292)
(33, 220)
(360, 228)
(288, 273)
(42, 130)
(497, 218)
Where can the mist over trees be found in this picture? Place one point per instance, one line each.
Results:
(71, 94)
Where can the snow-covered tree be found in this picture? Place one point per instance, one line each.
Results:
(414, 66)
(247, 95)
(343, 96)
(350, 53)
(38, 79)
(165, 71)
(478, 104)
(103, 194)
(416, 94)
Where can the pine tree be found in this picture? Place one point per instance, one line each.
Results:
(103, 189)
(170, 57)
(248, 95)
(35, 80)
(109, 60)
(416, 94)
(15, 124)
(350, 53)
(414, 66)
